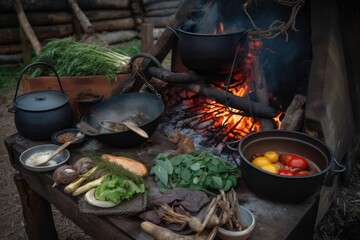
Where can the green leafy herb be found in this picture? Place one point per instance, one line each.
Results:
(116, 189)
(198, 169)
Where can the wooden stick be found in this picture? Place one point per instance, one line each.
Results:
(167, 39)
(294, 114)
(146, 36)
(81, 17)
(25, 25)
(261, 91)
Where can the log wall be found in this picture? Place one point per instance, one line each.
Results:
(114, 21)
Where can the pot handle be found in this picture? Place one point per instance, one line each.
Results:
(341, 169)
(31, 66)
(174, 31)
(229, 145)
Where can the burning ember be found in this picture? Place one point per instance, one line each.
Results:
(212, 124)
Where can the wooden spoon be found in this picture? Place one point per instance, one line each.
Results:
(46, 158)
(116, 127)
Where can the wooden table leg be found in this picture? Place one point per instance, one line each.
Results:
(39, 222)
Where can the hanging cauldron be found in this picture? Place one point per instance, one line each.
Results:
(38, 114)
(211, 53)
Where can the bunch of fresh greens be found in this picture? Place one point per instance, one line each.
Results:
(197, 170)
(75, 58)
(115, 188)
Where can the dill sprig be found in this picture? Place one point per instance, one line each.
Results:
(75, 58)
(112, 167)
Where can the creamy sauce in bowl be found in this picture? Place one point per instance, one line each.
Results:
(31, 160)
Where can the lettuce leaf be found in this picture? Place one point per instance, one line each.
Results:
(115, 188)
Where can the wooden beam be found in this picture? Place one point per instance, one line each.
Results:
(146, 36)
(25, 25)
(81, 17)
(167, 39)
(261, 91)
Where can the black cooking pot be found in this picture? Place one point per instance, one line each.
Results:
(211, 53)
(38, 114)
(144, 109)
(279, 187)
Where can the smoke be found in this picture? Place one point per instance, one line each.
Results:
(286, 63)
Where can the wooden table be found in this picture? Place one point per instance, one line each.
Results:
(273, 220)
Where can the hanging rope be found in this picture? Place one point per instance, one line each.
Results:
(277, 27)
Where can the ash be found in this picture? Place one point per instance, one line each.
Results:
(173, 121)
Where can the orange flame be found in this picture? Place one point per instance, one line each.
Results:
(237, 125)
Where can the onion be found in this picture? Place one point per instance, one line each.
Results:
(65, 175)
(83, 165)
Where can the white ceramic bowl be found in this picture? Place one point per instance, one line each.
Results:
(59, 159)
(248, 219)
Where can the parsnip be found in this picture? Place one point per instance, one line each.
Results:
(74, 185)
(161, 233)
(88, 186)
(129, 164)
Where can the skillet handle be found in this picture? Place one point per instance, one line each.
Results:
(341, 169)
(229, 145)
(174, 31)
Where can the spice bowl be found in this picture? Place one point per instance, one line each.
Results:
(40, 150)
(247, 219)
(69, 134)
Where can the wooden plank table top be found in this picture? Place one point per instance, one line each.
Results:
(274, 220)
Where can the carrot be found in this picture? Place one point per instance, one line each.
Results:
(129, 164)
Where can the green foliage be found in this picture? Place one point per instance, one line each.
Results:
(116, 188)
(112, 167)
(198, 170)
(128, 48)
(9, 76)
(76, 58)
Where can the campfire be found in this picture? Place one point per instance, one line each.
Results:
(216, 91)
(216, 124)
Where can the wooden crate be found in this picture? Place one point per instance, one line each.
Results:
(73, 86)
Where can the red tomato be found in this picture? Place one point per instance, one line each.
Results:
(302, 173)
(298, 162)
(286, 172)
(287, 157)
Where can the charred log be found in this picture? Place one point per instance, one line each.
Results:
(233, 101)
(171, 77)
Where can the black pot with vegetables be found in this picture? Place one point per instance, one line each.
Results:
(281, 187)
(39, 114)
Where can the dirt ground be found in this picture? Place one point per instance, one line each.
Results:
(341, 222)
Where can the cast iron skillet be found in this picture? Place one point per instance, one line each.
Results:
(144, 109)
